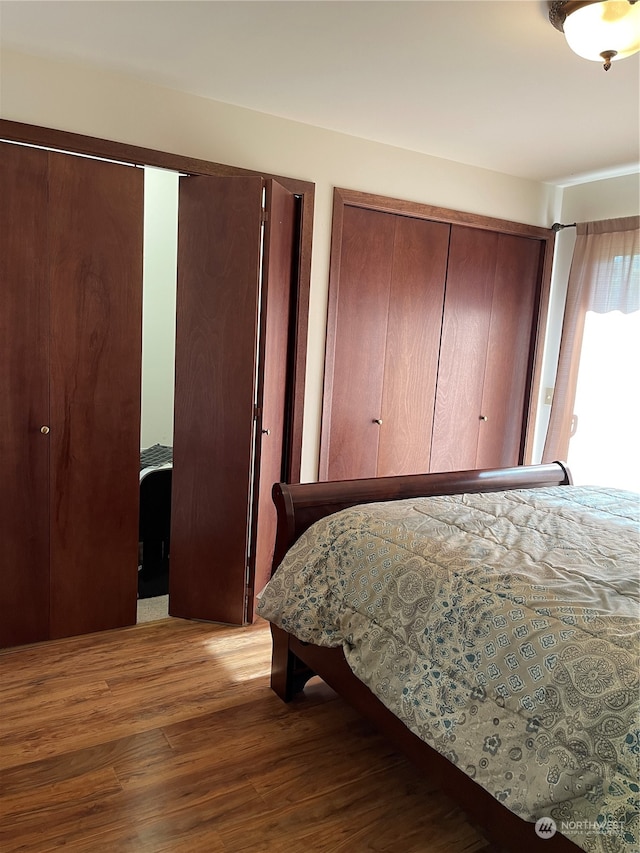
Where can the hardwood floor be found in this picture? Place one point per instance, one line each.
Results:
(166, 737)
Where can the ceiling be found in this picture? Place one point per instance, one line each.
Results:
(490, 84)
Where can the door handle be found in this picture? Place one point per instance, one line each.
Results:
(44, 430)
(483, 418)
(377, 421)
(266, 432)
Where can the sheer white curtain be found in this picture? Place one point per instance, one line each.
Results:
(595, 414)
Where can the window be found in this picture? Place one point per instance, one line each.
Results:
(595, 416)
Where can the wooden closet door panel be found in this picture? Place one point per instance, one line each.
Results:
(356, 346)
(95, 267)
(219, 237)
(24, 379)
(507, 371)
(465, 333)
(278, 275)
(412, 347)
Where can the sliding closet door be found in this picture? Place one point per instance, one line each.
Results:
(510, 346)
(412, 345)
(277, 289)
(219, 254)
(385, 318)
(465, 335)
(485, 360)
(95, 264)
(24, 379)
(356, 343)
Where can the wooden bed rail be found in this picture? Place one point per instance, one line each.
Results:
(302, 504)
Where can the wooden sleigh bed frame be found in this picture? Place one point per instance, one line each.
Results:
(294, 662)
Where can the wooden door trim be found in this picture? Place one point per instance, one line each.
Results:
(273, 366)
(355, 198)
(345, 197)
(330, 341)
(62, 140)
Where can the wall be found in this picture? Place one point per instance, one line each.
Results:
(66, 97)
(159, 306)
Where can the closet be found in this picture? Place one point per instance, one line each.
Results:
(71, 256)
(70, 332)
(433, 326)
(382, 348)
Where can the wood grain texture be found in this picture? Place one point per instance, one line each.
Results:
(507, 375)
(412, 345)
(219, 243)
(355, 198)
(24, 380)
(273, 370)
(467, 339)
(305, 194)
(167, 737)
(465, 334)
(95, 274)
(354, 367)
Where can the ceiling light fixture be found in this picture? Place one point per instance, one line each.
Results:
(603, 31)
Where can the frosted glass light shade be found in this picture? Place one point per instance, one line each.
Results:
(598, 28)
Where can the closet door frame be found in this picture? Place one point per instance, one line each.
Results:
(343, 198)
(304, 192)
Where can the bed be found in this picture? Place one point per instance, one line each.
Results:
(488, 623)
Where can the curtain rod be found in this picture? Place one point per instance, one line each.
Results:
(557, 226)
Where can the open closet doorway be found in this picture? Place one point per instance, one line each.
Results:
(220, 288)
(157, 393)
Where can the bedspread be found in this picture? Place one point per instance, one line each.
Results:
(503, 629)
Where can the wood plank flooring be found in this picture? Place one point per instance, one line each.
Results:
(166, 737)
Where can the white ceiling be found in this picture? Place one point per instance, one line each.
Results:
(491, 84)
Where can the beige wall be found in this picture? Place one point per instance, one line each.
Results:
(159, 306)
(63, 96)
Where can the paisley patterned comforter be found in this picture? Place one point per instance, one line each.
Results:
(503, 629)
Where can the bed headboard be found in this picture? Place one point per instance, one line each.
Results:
(300, 505)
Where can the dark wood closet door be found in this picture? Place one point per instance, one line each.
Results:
(486, 353)
(356, 343)
(219, 259)
(24, 379)
(459, 369)
(509, 351)
(95, 271)
(278, 276)
(465, 335)
(412, 345)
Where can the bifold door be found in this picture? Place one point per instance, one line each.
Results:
(70, 347)
(234, 281)
(24, 379)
